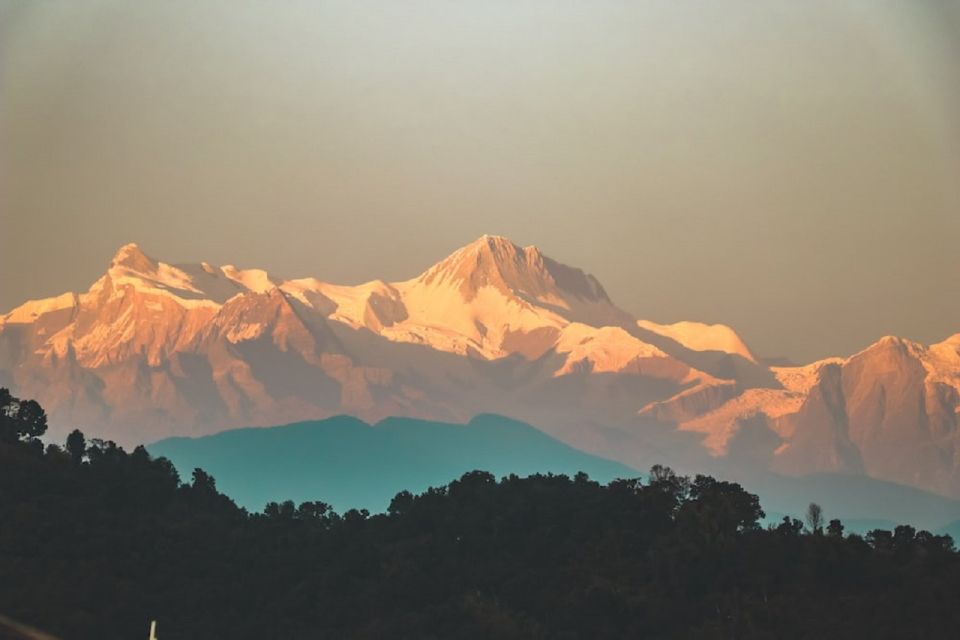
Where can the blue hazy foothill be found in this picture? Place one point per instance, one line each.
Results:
(350, 464)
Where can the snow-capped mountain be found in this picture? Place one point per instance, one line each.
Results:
(152, 350)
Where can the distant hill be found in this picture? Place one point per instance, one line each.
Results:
(350, 464)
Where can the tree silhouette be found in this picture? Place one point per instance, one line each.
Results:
(20, 420)
(789, 527)
(203, 481)
(814, 518)
(835, 529)
(880, 539)
(76, 445)
(314, 510)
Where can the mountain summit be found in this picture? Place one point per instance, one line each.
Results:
(495, 261)
(154, 349)
(131, 257)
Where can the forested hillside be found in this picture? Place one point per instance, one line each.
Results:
(95, 542)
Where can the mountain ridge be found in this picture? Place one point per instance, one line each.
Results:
(153, 349)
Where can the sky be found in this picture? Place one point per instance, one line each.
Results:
(791, 169)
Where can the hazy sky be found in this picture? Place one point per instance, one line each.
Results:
(789, 168)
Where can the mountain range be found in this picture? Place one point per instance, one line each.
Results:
(153, 350)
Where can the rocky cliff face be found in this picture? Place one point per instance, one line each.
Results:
(153, 350)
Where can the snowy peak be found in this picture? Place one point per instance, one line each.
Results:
(189, 284)
(936, 364)
(702, 337)
(256, 280)
(31, 310)
(491, 298)
(132, 258)
(259, 314)
(890, 353)
(497, 262)
(132, 268)
(953, 340)
(504, 286)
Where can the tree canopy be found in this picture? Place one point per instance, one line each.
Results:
(96, 542)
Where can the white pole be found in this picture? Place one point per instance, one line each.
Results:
(153, 630)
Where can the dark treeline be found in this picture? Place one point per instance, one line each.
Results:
(95, 542)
